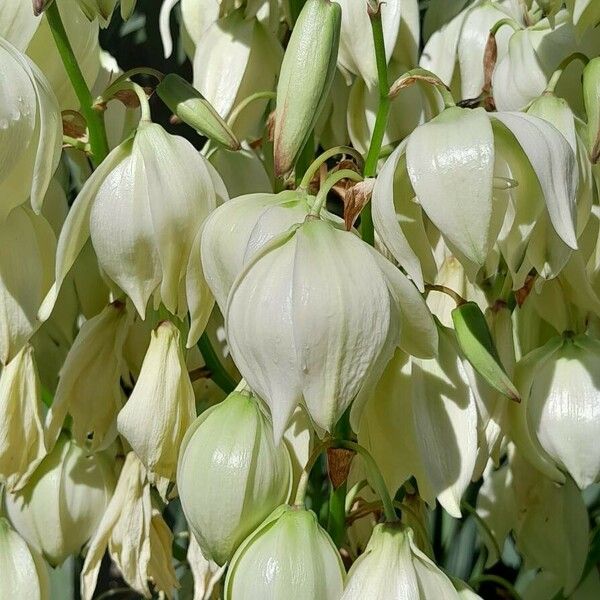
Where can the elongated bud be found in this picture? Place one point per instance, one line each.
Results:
(476, 342)
(289, 556)
(187, 103)
(591, 98)
(230, 449)
(306, 76)
(161, 407)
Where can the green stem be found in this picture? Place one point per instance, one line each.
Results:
(414, 75)
(158, 75)
(235, 113)
(432, 287)
(502, 22)
(381, 119)
(375, 476)
(314, 166)
(217, 371)
(94, 119)
(331, 180)
(139, 92)
(336, 517)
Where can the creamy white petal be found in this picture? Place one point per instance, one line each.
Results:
(450, 162)
(554, 164)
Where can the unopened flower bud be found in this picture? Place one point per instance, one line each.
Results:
(230, 448)
(393, 568)
(103, 9)
(306, 76)
(24, 573)
(161, 407)
(192, 108)
(289, 556)
(60, 507)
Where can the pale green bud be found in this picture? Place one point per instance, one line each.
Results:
(289, 556)
(60, 507)
(591, 98)
(306, 77)
(24, 573)
(187, 103)
(557, 424)
(231, 474)
(393, 568)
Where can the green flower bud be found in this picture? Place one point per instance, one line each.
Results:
(60, 507)
(289, 556)
(244, 475)
(306, 76)
(24, 574)
(192, 108)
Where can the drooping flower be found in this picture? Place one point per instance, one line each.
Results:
(143, 209)
(315, 315)
(161, 407)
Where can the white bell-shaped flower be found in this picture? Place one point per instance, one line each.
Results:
(30, 131)
(60, 507)
(22, 440)
(451, 163)
(558, 420)
(161, 407)
(28, 249)
(24, 572)
(231, 474)
(393, 568)
(422, 421)
(143, 209)
(89, 388)
(289, 556)
(315, 315)
(136, 536)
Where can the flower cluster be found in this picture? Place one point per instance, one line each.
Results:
(331, 331)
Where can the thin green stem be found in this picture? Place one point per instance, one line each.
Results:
(235, 113)
(94, 119)
(158, 75)
(375, 476)
(381, 119)
(217, 371)
(561, 68)
(502, 22)
(432, 287)
(314, 166)
(331, 180)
